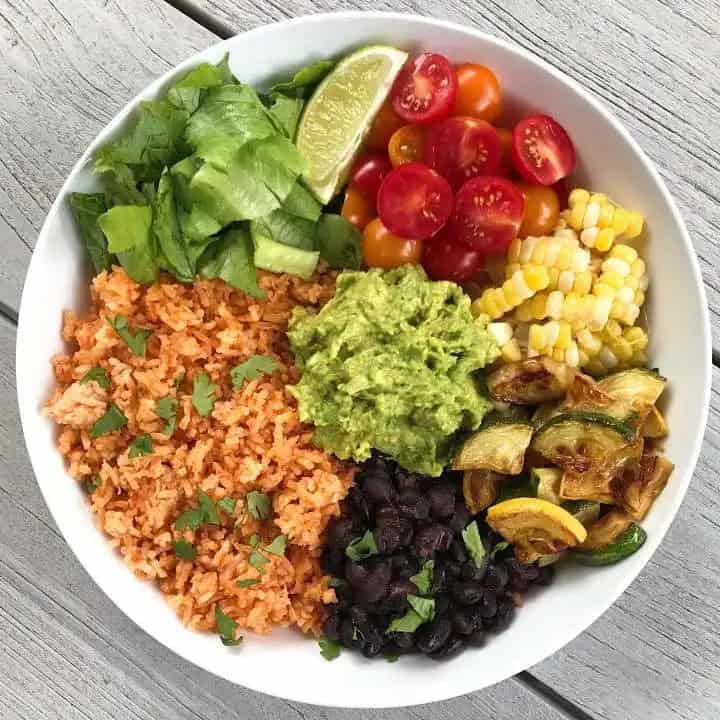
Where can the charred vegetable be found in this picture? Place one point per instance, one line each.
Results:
(535, 527)
(628, 543)
(530, 382)
(604, 530)
(480, 489)
(639, 387)
(548, 484)
(642, 483)
(524, 486)
(499, 445)
(654, 426)
(579, 441)
(585, 511)
(595, 486)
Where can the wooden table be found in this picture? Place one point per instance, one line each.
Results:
(67, 67)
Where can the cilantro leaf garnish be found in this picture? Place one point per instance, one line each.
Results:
(277, 546)
(424, 607)
(247, 582)
(92, 484)
(250, 369)
(227, 504)
(257, 560)
(141, 445)
(205, 514)
(189, 520)
(254, 540)
(184, 550)
(362, 548)
(226, 627)
(112, 420)
(258, 505)
(391, 657)
(337, 582)
(423, 580)
(137, 340)
(329, 649)
(97, 374)
(421, 610)
(207, 506)
(499, 547)
(474, 544)
(166, 408)
(203, 394)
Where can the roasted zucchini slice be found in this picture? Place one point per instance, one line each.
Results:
(626, 544)
(639, 387)
(535, 527)
(579, 441)
(524, 486)
(654, 426)
(606, 529)
(499, 446)
(548, 484)
(530, 382)
(480, 489)
(543, 413)
(641, 484)
(585, 511)
(592, 486)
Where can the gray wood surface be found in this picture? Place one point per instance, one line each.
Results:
(67, 67)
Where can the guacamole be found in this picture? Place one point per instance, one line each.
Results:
(388, 363)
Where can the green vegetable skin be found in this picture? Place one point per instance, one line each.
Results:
(388, 364)
(625, 545)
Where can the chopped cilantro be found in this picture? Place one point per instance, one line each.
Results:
(504, 545)
(250, 369)
(226, 627)
(254, 540)
(184, 550)
(258, 505)
(423, 580)
(203, 394)
(337, 582)
(166, 408)
(207, 506)
(408, 623)
(205, 514)
(329, 649)
(97, 374)
(257, 560)
(141, 445)
(362, 548)
(112, 420)
(136, 341)
(424, 607)
(277, 546)
(178, 380)
(91, 485)
(391, 657)
(247, 582)
(227, 504)
(189, 520)
(474, 544)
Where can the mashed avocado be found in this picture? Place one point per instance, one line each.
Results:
(388, 363)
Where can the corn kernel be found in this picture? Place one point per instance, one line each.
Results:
(588, 237)
(621, 220)
(605, 239)
(501, 332)
(564, 337)
(613, 328)
(536, 339)
(639, 298)
(578, 196)
(511, 352)
(592, 213)
(558, 355)
(635, 225)
(537, 278)
(632, 282)
(539, 306)
(553, 307)
(572, 355)
(613, 279)
(625, 252)
(523, 312)
(607, 358)
(566, 280)
(607, 213)
(602, 289)
(616, 265)
(637, 268)
(526, 249)
(577, 213)
(583, 282)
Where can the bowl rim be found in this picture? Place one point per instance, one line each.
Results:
(430, 693)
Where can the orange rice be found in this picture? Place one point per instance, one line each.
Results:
(253, 440)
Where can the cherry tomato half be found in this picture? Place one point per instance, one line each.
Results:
(542, 210)
(407, 144)
(478, 92)
(488, 212)
(414, 201)
(461, 148)
(368, 172)
(542, 151)
(384, 249)
(357, 208)
(444, 259)
(386, 122)
(425, 89)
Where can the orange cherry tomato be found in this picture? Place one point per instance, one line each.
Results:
(542, 209)
(506, 140)
(382, 249)
(386, 122)
(478, 93)
(407, 144)
(357, 208)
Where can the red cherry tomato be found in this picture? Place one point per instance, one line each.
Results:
(488, 212)
(542, 151)
(368, 172)
(414, 201)
(541, 210)
(425, 89)
(383, 249)
(461, 148)
(478, 92)
(444, 259)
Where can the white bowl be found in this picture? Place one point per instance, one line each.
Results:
(286, 664)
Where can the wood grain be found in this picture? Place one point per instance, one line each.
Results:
(67, 653)
(652, 62)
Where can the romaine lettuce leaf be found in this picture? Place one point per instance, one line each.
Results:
(305, 79)
(339, 242)
(166, 228)
(128, 231)
(187, 93)
(87, 208)
(302, 202)
(290, 230)
(285, 111)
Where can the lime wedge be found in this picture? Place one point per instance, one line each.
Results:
(340, 112)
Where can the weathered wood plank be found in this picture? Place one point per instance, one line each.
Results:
(67, 68)
(69, 654)
(653, 62)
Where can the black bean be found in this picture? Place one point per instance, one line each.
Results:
(496, 577)
(387, 537)
(431, 539)
(340, 534)
(546, 575)
(477, 639)
(442, 500)
(442, 604)
(453, 569)
(331, 628)
(452, 647)
(462, 622)
(406, 480)
(359, 504)
(396, 599)
(356, 573)
(375, 586)
(333, 560)
(403, 565)
(460, 517)
(433, 636)
(470, 571)
(378, 487)
(439, 578)
(488, 604)
(458, 551)
(373, 642)
(386, 515)
(405, 641)
(407, 532)
(412, 504)
(467, 593)
(505, 614)
(349, 635)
